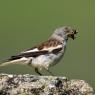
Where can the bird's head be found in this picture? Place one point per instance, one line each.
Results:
(65, 32)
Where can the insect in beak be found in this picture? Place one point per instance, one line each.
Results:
(72, 34)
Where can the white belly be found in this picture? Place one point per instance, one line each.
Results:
(44, 61)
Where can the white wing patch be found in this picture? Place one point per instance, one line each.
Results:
(45, 48)
(33, 50)
(52, 48)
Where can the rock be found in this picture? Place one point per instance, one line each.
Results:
(42, 85)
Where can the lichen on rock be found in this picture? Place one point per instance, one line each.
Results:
(42, 85)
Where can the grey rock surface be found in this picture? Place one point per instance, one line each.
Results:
(42, 85)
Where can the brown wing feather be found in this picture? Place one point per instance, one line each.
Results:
(49, 43)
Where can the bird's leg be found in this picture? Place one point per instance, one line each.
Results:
(37, 71)
(49, 72)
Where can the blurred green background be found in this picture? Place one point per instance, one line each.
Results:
(25, 23)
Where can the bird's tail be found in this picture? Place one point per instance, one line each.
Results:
(18, 61)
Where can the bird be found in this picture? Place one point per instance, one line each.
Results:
(45, 54)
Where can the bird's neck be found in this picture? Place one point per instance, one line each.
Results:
(62, 40)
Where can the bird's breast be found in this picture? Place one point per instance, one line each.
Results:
(45, 61)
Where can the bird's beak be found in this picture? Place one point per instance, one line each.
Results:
(72, 34)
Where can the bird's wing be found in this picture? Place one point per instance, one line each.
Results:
(50, 46)
(47, 47)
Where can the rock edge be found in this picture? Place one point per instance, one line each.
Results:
(42, 85)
